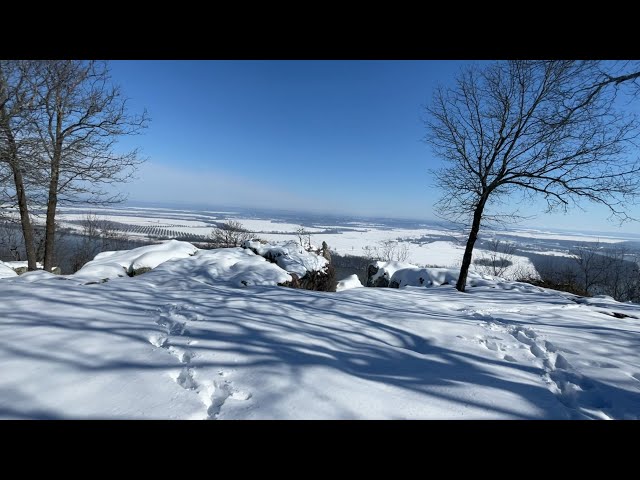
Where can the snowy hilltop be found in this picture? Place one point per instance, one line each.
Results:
(171, 331)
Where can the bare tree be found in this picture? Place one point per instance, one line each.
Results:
(11, 244)
(546, 128)
(496, 259)
(81, 118)
(18, 103)
(304, 238)
(620, 273)
(230, 234)
(592, 265)
(387, 251)
(88, 246)
(611, 270)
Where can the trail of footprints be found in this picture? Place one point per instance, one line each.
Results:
(572, 389)
(213, 394)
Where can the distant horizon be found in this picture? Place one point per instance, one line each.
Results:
(196, 207)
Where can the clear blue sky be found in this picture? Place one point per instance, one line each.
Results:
(327, 136)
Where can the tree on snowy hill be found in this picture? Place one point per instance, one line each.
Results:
(59, 124)
(18, 106)
(230, 234)
(531, 128)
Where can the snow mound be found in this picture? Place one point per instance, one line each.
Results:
(14, 264)
(352, 281)
(100, 271)
(426, 277)
(413, 276)
(235, 266)
(6, 271)
(36, 276)
(407, 275)
(149, 256)
(387, 269)
(289, 256)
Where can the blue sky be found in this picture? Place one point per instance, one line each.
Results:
(324, 136)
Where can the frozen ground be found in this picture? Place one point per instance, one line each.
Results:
(189, 340)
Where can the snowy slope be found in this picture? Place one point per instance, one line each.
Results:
(6, 270)
(186, 340)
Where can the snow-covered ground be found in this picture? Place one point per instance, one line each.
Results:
(425, 244)
(190, 340)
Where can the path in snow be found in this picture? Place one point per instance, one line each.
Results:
(573, 389)
(213, 394)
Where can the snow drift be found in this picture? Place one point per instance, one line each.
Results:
(212, 336)
(147, 257)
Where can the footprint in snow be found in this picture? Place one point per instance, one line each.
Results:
(183, 355)
(158, 340)
(186, 379)
(173, 327)
(218, 392)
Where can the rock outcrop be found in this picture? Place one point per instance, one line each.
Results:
(308, 270)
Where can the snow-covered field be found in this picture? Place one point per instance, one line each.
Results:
(430, 245)
(189, 340)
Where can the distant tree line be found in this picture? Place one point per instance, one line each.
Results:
(73, 247)
(595, 269)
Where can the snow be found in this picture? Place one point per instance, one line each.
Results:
(407, 275)
(105, 264)
(6, 271)
(577, 237)
(387, 269)
(35, 276)
(209, 334)
(137, 220)
(92, 272)
(352, 281)
(20, 264)
(271, 226)
(235, 266)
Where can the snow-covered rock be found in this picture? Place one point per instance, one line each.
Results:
(379, 273)
(103, 266)
(36, 276)
(396, 275)
(233, 266)
(20, 266)
(352, 281)
(308, 270)
(100, 271)
(289, 256)
(6, 271)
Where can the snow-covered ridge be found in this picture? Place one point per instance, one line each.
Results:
(238, 267)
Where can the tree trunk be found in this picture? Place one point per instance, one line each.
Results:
(471, 241)
(27, 229)
(52, 204)
(52, 200)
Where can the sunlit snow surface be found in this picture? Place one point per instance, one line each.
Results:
(190, 340)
